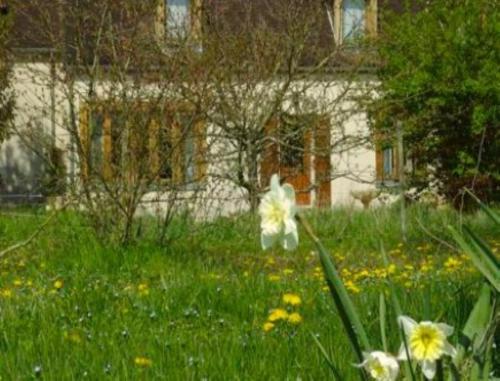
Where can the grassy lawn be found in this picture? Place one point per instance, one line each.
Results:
(72, 308)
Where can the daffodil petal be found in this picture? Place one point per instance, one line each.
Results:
(289, 193)
(290, 226)
(407, 323)
(402, 355)
(449, 349)
(267, 240)
(275, 183)
(429, 369)
(446, 329)
(291, 241)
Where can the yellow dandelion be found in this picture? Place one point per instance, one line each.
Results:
(73, 336)
(408, 284)
(288, 271)
(18, 282)
(351, 286)
(294, 318)
(6, 293)
(452, 264)
(143, 362)
(267, 326)
(292, 299)
(278, 314)
(274, 278)
(58, 284)
(143, 289)
(391, 269)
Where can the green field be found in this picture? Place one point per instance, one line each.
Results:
(194, 309)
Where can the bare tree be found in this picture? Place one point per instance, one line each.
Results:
(274, 92)
(128, 139)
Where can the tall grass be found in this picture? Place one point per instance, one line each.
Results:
(195, 307)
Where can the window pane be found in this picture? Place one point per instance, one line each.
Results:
(177, 16)
(387, 162)
(189, 152)
(353, 18)
(165, 153)
(292, 141)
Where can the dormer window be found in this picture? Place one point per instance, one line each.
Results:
(353, 19)
(177, 17)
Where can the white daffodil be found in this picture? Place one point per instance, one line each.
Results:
(277, 210)
(380, 366)
(426, 342)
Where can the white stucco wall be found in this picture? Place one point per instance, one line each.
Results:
(21, 168)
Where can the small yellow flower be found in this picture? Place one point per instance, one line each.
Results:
(278, 314)
(58, 284)
(267, 326)
(292, 299)
(294, 318)
(143, 362)
(351, 286)
(73, 336)
(18, 282)
(274, 278)
(143, 289)
(288, 271)
(452, 264)
(391, 269)
(6, 293)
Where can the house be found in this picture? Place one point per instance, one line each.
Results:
(79, 128)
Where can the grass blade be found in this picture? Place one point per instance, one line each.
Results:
(476, 324)
(482, 246)
(382, 319)
(489, 212)
(345, 307)
(330, 363)
(479, 258)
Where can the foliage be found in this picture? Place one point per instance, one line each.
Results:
(440, 78)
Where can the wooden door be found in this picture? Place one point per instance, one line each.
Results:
(293, 154)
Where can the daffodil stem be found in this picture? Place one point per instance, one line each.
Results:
(349, 316)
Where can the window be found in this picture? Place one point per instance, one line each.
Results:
(353, 19)
(177, 16)
(138, 142)
(96, 126)
(292, 141)
(388, 163)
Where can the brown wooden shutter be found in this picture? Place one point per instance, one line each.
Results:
(107, 166)
(395, 162)
(379, 156)
(84, 140)
(154, 148)
(270, 157)
(371, 17)
(201, 150)
(177, 152)
(322, 164)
